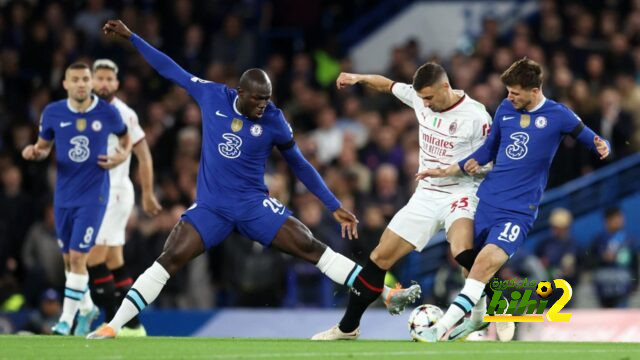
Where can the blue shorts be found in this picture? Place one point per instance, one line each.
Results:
(259, 219)
(503, 228)
(77, 227)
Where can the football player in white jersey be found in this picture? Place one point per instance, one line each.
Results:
(109, 280)
(452, 126)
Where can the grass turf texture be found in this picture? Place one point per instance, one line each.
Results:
(156, 348)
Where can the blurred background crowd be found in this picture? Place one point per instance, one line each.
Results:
(365, 144)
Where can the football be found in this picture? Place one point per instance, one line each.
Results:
(544, 289)
(423, 317)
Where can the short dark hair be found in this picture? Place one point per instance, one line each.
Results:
(524, 72)
(427, 75)
(78, 65)
(611, 211)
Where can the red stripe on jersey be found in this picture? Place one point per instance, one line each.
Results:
(456, 104)
(438, 161)
(441, 191)
(438, 132)
(139, 141)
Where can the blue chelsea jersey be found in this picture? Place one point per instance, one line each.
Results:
(79, 138)
(234, 148)
(523, 144)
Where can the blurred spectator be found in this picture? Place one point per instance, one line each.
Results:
(233, 45)
(91, 19)
(615, 261)
(613, 124)
(387, 194)
(41, 259)
(47, 313)
(328, 136)
(558, 251)
(15, 213)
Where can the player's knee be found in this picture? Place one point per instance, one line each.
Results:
(458, 247)
(382, 260)
(485, 267)
(171, 261)
(115, 263)
(77, 263)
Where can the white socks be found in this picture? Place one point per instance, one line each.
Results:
(342, 270)
(479, 310)
(462, 304)
(86, 304)
(338, 267)
(144, 291)
(74, 290)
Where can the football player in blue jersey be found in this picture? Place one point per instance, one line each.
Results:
(240, 128)
(527, 129)
(79, 126)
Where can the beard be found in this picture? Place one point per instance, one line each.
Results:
(105, 94)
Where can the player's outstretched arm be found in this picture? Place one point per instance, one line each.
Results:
(157, 59)
(376, 82)
(150, 203)
(38, 151)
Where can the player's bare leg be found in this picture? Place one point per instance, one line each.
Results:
(490, 259)
(182, 245)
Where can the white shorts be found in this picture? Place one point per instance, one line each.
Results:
(116, 216)
(427, 212)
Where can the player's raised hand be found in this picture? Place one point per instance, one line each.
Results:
(108, 162)
(118, 28)
(346, 79)
(348, 223)
(602, 147)
(150, 204)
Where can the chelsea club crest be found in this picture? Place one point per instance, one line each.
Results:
(256, 130)
(541, 122)
(96, 125)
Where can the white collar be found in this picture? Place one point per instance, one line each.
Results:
(235, 108)
(94, 103)
(544, 99)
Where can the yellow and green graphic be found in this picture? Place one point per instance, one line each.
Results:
(521, 302)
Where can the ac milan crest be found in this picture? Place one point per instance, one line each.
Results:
(453, 127)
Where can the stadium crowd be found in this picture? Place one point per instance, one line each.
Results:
(364, 144)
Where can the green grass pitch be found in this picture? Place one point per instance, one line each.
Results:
(157, 348)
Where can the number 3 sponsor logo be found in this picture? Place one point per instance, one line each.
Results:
(230, 149)
(518, 149)
(80, 151)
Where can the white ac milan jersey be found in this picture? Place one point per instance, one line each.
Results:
(119, 175)
(447, 137)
